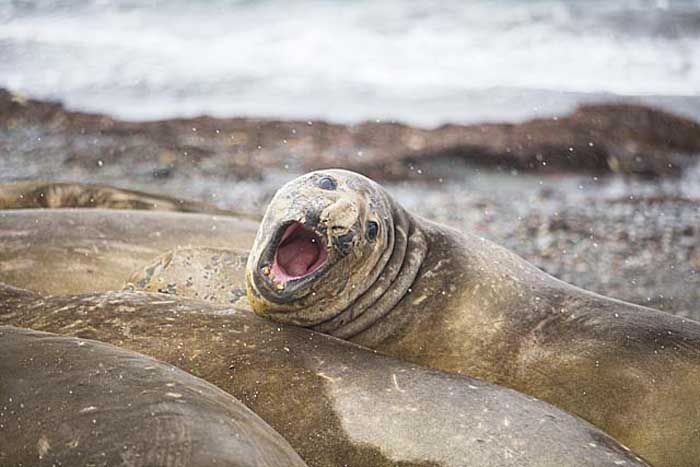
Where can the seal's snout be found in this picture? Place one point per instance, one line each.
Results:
(340, 220)
(300, 253)
(340, 217)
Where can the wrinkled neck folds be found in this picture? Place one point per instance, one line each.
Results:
(390, 280)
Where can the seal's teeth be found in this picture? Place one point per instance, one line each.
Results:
(266, 270)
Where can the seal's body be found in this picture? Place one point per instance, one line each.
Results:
(364, 269)
(35, 195)
(65, 251)
(69, 401)
(336, 403)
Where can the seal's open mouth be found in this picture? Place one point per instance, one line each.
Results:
(300, 253)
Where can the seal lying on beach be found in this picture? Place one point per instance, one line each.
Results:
(71, 402)
(63, 251)
(31, 195)
(336, 403)
(335, 253)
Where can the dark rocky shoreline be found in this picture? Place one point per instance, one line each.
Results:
(627, 139)
(620, 216)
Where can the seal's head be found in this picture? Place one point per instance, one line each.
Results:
(321, 237)
(334, 252)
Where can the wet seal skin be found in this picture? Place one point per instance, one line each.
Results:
(431, 295)
(76, 402)
(64, 251)
(338, 405)
(32, 195)
(211, 274)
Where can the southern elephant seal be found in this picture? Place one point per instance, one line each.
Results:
(68, 401)
(337, 254)
(62, 251)
(336, 403)
(31, 195)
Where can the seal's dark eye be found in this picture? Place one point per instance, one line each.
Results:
(372, 230)
(326, 183)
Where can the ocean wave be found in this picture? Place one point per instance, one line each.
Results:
(424, 62)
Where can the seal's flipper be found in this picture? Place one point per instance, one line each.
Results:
(212, 274)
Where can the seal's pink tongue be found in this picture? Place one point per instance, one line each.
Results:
(297, 256)
(300, 253)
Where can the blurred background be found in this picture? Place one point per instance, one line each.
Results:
(565, 130)
(421, 62)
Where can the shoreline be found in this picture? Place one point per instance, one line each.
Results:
(490, 105)
(596, 139)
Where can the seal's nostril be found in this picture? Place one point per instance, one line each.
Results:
(347, 238)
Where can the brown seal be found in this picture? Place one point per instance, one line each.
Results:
(68, 401)
(62, 251)
(337, 254)
(32, 195)
(336, 403)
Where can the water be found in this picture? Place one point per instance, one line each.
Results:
(422, 62)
